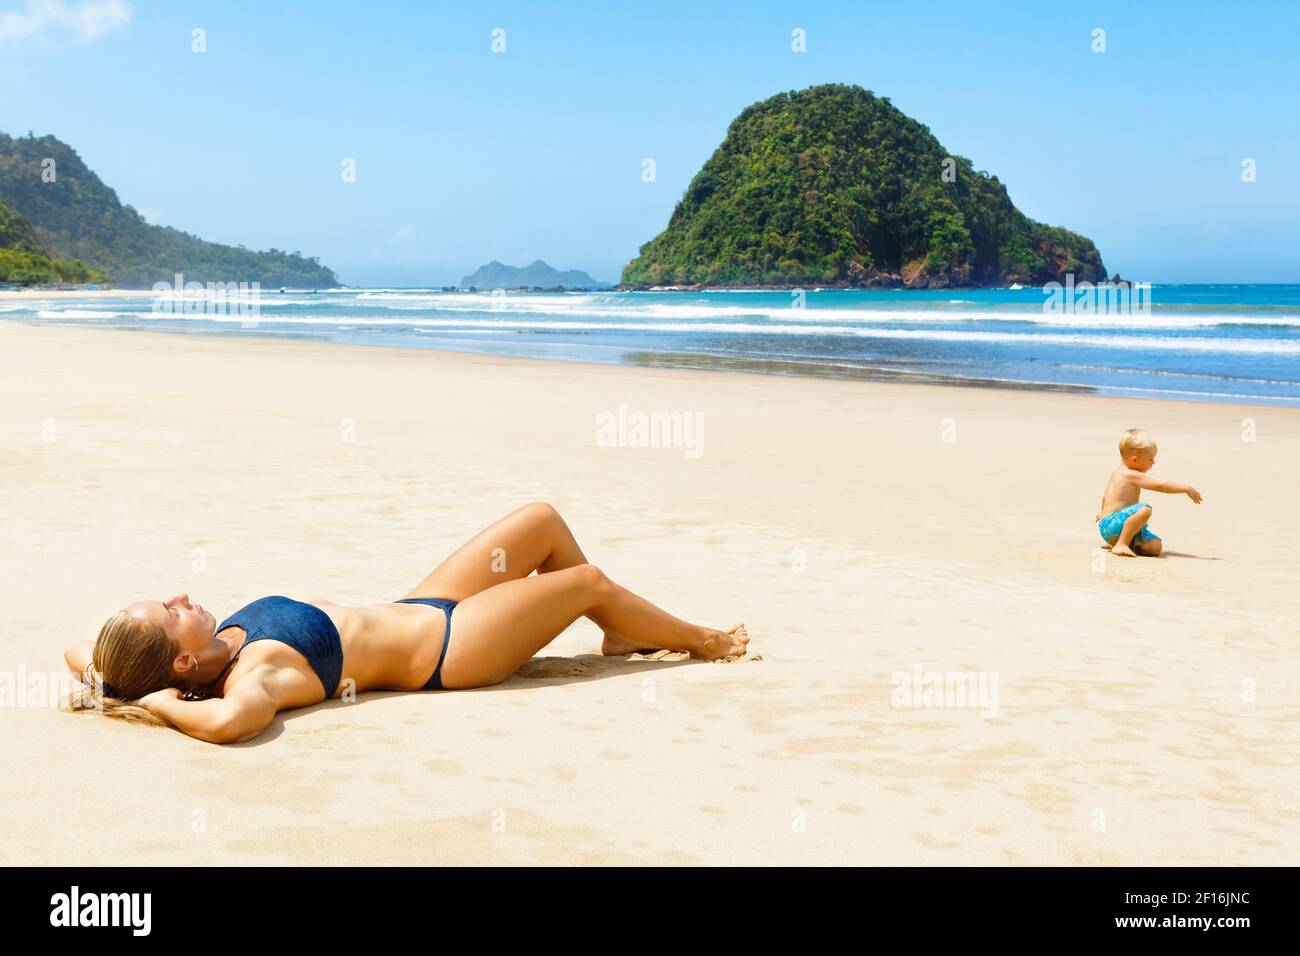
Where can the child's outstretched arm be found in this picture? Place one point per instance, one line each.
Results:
(1168, 487)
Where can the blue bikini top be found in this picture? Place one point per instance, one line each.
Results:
(304, 627)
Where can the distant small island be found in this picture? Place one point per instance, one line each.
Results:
(833, 186)
(536, 275)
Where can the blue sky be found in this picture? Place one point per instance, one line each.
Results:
(464, 155)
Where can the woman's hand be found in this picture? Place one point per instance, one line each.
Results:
(167, 693)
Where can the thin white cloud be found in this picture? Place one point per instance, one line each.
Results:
(405, 234)
(55, 19)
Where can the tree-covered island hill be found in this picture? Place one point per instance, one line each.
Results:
(834, 186)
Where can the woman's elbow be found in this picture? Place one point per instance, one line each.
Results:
(220, 731)
(234, 729)
(213, 736)
(77, 657)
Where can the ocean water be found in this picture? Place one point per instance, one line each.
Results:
(1215, 343)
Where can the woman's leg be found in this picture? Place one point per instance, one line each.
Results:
(496, 630)
(531, 538)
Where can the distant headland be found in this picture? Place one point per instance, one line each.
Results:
(59, 223)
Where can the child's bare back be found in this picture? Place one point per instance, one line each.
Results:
(1122, 520)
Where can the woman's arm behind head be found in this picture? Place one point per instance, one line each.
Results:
(242, 713)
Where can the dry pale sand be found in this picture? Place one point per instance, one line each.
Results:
(1146, 709)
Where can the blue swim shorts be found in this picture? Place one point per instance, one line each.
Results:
(1111, 525)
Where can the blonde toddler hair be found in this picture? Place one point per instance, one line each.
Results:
(1136, 440)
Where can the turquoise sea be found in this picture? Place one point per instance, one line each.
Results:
(1215, 343)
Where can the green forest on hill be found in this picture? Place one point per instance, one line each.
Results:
(24, 261)
(75, 216)
(833, 185)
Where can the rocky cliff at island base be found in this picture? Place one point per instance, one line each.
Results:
(834, 186)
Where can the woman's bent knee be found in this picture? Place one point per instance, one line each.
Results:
(592, 578)
(541, 509)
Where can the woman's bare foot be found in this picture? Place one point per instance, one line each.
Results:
(719, 644)
(1123, 551)
(713, 644)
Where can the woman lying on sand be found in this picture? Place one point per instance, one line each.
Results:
(169, 663)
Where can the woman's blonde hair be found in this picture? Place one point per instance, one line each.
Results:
(131, 658)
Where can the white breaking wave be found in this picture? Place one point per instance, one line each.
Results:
(511, 301)
(1247, 346)
(1129, 370)
(79, 314)
(631, 306)
(1163, 343)
(597, 305)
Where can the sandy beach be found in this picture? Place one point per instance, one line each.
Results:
(1139, 711)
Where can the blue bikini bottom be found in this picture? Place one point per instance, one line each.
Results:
(435, 682)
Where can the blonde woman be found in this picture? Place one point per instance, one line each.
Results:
(171, 663)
